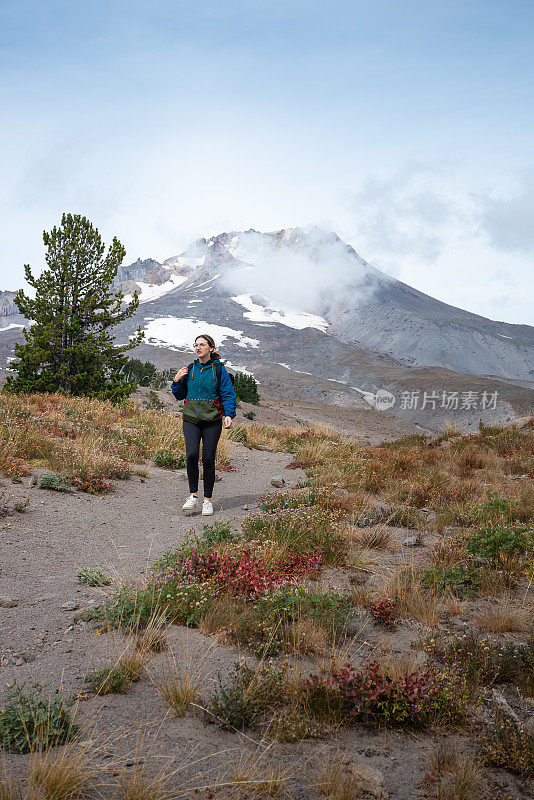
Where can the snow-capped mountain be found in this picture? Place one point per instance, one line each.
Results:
(313, 279)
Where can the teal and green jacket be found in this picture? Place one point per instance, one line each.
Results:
(204, 400)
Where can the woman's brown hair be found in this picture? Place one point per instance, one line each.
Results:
(211, 343)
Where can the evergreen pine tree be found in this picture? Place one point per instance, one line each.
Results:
(68, 348)
(246, 388)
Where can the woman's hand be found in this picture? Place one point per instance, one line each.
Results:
(180, 374)
(228, 422)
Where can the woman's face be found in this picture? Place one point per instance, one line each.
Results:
(202, 348)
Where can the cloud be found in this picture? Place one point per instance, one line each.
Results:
(509, 221)
(404, 214)
(303, 278)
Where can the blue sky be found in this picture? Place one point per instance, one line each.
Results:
(404, 126)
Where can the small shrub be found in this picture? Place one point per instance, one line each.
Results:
(233, 707)
(107, 680)
(129, 608)
(506, 745)
(92, 484)
(375, 698)
(383, 613)
(14, 467)
(57, 483)
(29, 723)
(92, 576)
(462, 580)
(291, 725)
(169, 459)
(217, 533)
(485, 662)
(249, 414)
(496, 541)
(249, 692)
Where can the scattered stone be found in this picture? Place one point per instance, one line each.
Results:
(278, 481)
(245, 508)
(500, 703)
(29, 658)
(8, 602)
(80, 613)
(412, 541)
(70, 605)
(368, 517)
(19, 662)
(371, 782)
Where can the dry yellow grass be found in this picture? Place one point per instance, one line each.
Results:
(141, 785)
(305, 637)
(378, 538)
(455, 776)
(413, 599)
(505, 617)
(65, 773)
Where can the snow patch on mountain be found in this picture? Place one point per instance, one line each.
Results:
(11, 325)
(290, 317)
(151, 291)
(180, 334)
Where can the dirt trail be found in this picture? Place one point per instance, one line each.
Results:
(123, 533)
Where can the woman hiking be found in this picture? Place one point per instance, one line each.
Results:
(210, 401)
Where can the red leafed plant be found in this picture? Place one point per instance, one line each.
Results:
(225, 466)
(376, 698)
(383, 613)
(241, 574)
(93, 484)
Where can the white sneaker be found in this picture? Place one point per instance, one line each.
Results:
(190, 503)
(207, 508)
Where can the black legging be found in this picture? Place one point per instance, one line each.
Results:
(209, 432)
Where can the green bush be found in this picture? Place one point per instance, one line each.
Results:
(128, 608)
(233, 707)
(463, 581)
(58, 483)
(29, 723)
(217, 533)
(249, 692)
(107, 680)
(93, 576)
(168, 459)
(330, 611)
(246, 388)
(494, 541)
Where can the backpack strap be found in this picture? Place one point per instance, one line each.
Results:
(218, 372)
